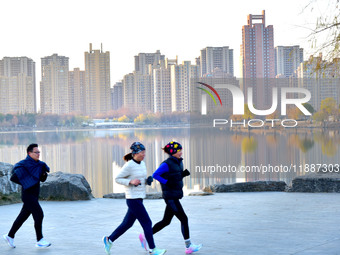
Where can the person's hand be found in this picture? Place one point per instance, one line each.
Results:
(149, 180)
(135, 182)
(185, 173)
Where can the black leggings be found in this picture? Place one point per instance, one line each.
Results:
(31, 206)
(173, 208)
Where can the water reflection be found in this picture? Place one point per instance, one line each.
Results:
(97, 154)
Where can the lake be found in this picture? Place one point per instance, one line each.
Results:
(212, 157)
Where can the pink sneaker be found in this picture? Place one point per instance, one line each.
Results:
(143, 241)
(193, 248)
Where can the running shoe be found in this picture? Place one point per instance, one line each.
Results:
(157, 251)
(193, 248)
(42, 243)
(9, 241)
(107, 244)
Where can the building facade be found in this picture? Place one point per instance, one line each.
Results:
(117, 96)
(54, 88)
(17, 85)
(214, 59)
(182, 77)
(97, 81)
(287, 60)
(258, 60)
(77, 91)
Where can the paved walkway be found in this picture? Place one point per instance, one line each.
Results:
(232, 223)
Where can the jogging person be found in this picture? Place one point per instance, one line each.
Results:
(29, 172)
(170, 174)
(133, 177)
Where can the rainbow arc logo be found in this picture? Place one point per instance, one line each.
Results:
(204, 98)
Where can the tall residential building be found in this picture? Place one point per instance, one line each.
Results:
(258, 60)
(217, 59)
(77, 91)
(129, 92)
(321, 78)
(97, 81)
(287, 60)
(257, 49)
(17, 85)
(162, 87)
(54, 89)
(181, 79)
(117, 96)
(143, 60)
(144, 91)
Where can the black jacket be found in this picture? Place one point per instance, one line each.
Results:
(173, 188)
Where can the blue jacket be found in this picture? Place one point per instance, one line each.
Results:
(29, 171)
(169, 174)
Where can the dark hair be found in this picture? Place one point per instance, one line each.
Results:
(31, 146)
(128, 157)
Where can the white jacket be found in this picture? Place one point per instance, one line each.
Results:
(132, 170)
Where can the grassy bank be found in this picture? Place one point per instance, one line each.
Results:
(10, 199)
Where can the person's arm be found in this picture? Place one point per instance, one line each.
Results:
(163, 168)
(123, 176)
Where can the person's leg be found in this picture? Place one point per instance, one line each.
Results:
(127, 223)
(168, 215)
(178, 211)
(144, 219)
(38, 216)
(22, 217)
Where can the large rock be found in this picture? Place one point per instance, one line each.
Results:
(6, 186)
(317, 182)
(151, 195)
(63, 186)
(247, 187)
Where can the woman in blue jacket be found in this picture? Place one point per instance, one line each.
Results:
(170, 174)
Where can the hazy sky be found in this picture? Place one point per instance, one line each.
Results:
(39, 28)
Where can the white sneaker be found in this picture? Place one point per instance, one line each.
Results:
(9, 241)
(42, 243)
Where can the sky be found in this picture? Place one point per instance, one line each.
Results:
(39, 28)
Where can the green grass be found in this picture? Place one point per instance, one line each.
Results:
(10, 198)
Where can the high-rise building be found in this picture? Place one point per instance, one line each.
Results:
(17, 85)
(287, 60)
(258, 60)
(214, 59)
(54, 89)
(321, 78)
(143, 60)
(162, 87)
(97, 81)
(257, 49)
(117, 95)
(129, 92)
(77, 91)
(181, 78)
(144, 92)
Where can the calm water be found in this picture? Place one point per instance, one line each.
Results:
(97, 154)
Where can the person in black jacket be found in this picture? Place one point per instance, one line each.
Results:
(170, 174)
(29, 172)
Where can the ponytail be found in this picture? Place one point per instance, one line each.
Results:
(128, 157)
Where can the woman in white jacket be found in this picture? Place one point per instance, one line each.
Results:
(133, 177)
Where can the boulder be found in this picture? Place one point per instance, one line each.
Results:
(64, 186)
(6, 186)
(317, 182)
(151, 195)
(247, 187)
(200, 193)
